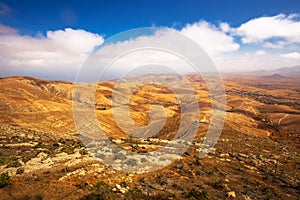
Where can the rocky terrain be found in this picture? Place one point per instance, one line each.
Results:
(257, 155)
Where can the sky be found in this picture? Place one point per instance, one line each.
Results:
(52, 39)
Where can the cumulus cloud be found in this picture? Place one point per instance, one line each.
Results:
(63, 51)
(260, 29)
(155, 50)
(74, 41)
(225, 27)
(293, 55)
(56, 50)
(213, 40)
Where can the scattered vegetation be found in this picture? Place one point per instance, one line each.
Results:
(20, 171)
(83, 152)
(245, 160)
(125, 184)
(68, 150)
(4, 179)
(100, 191)
(196, 194)
(135, 193)
(218, 184)
(14, 163)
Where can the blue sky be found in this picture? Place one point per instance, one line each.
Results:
(248, 35)
(111, 17)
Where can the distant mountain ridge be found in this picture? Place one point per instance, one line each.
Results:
(283, 71)
(274, 76)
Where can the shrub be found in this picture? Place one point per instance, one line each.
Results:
(4, 179)
(68, 150)
(14, 164)
(125, 184)
(83, 152)
(135, 193)
(20, 171)
(101, 186)
(25, 159)
(56, 145)
(197, 162)
(7, 160)
(101, 191)
(196, 194)
(218, 185)
(78, 144)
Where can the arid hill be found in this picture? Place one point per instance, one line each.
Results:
(256, 157)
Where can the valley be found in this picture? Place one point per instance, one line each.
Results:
(256, 157)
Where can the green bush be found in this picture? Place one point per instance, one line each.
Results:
(83, 152)
(68, 150)
(196, 194)
(8, 160)
(14, 164)
(4, 179)
(135, 193)
(197, 162)
(56, 145)
(101, 191)
(218, 185)
(20, 171)
(125, 184)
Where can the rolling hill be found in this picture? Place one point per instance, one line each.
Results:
(256, 157)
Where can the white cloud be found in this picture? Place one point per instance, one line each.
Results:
(63, 51)
(166, 43)
(275, 45)
(58, 49)
(293, 55)
(225, 27)
(213, 40)
(263, 28)
(74, 41)
(260, 52)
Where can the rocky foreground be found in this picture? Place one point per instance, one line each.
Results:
(46, 166)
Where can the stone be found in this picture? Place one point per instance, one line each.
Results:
(222, 155)
(231, 194)
(118, 186)
(123, 190)
(246, 197)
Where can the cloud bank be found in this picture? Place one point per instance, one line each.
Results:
(57, 51)
(261, 43)
(285, 27)
(213, 40)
